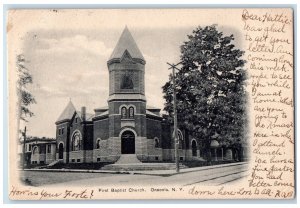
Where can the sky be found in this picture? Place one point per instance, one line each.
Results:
(67, 54)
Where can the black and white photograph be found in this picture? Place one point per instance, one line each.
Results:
(151, 103)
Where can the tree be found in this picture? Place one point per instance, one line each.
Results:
(211, 96)
(25, 97)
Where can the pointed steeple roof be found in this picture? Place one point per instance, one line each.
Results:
(67, 113)
(126, 42)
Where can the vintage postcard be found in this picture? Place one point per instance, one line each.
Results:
(151, 104)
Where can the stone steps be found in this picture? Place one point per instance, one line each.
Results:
(128, 159)
(129, 162)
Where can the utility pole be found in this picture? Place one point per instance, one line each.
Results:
(173, 67)
(24, 149)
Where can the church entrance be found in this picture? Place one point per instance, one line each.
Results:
(127, 143)
(61, 151)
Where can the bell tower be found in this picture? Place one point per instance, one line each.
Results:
(127, 101)
(126, 67)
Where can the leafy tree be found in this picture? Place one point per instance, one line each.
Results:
(25, 97)
(210, 85)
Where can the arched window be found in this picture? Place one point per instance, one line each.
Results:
(76, 141)
(194, 148)
(131, 112)
(156, 142)
(123, 112)
(35, 150)
(180, 144)
(180, 139)
(98, 143)
(61, 151)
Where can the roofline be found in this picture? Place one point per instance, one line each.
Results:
(102, 108)
(152, 108)
(100, 117)
(118, 60)
(118, 99)
(155, 117)
(87, 122)
(39, 140)
(62, 121)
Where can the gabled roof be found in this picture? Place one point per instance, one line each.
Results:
(126, 42)
(67, 113)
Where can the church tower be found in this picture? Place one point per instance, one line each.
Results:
(127, 101)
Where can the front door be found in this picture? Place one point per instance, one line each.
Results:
(128, 143)
(61, 151)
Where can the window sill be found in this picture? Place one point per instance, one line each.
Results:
(127, 119)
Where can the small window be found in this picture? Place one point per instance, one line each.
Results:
(76, 120)
(62, 131)
(29, 147)
(49, 148)
(73, 160)
(156, 142)
(98, 159)
(42, 162)
(123, 112)
(59, 131)
(78, 160)
(156, 158)
(181, 158)
(98, 143)
(131, 112)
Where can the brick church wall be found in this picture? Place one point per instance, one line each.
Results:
(154, 130)
(89, 139)
(62, 138)
(100, 130)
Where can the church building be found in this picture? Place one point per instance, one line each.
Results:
(126, 126)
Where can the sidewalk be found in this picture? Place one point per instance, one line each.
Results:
(147, 172)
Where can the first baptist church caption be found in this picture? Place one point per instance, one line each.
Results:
(126, 126)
